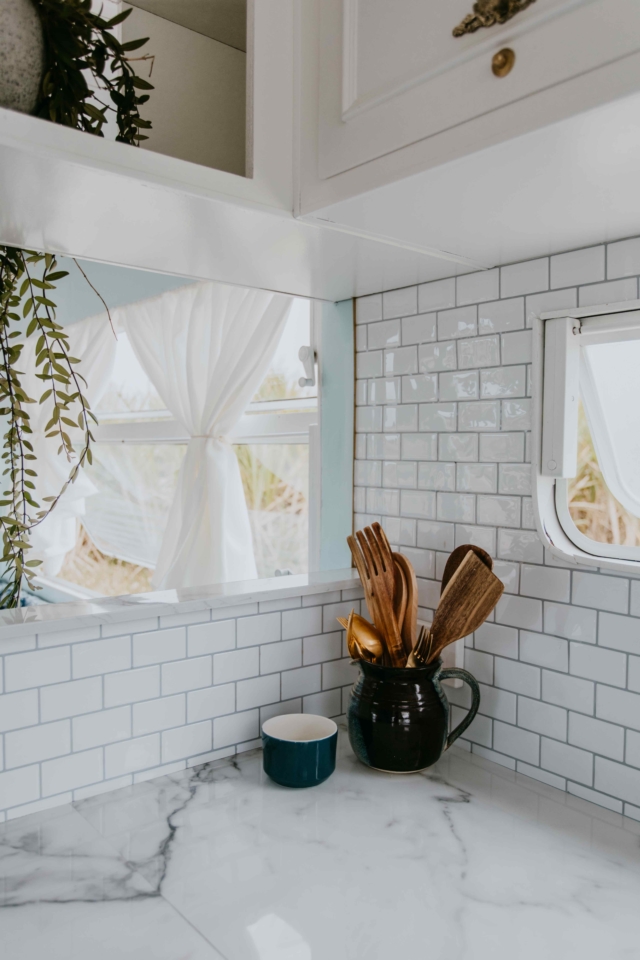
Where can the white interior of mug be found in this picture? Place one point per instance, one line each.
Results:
(299, 726)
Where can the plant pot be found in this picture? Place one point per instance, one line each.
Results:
(21, 55)
(399, 716)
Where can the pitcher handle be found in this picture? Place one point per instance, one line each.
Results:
(465, 676)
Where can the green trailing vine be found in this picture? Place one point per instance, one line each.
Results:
(78, 42)
(27, 319)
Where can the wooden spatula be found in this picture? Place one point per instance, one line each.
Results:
(456, 558)
(409, 625)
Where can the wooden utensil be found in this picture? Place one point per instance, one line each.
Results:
(356, 553)
(376, 581)
(363, 640)
(468, 599)
(456, 558)
(409, 625)
(401, 596)
(378, 538)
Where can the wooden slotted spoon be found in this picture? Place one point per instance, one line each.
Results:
(376, 579)
(456, 558)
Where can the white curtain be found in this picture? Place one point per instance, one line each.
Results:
(206, 348)
(93, 342)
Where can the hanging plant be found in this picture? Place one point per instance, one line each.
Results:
(78, 43)
(26, 282)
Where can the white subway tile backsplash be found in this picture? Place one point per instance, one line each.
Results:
(437, 295)
(613, 292)
(603, 593)
(237, 728)
(548, 583)
(384, 334)
(460, 447)
(499, 704)
(211, 702)
(503, 382)
(275, 657)
(619, 633)
(593, 663)
(420, 446)
(517, 347)
(131, 685)
(570, 692)
(437, 476)
(257, 692)
(369, 308)
(68, 699)
(606, 739)
(544, 651)
(436, 356)
(299, 683)
(514, 742)
(519, 612)
(461, 322)
(520, 545)
(501, 316)
(479, 415)
(211, 637)
(514, 478)
(69, 773)
(456, 507)
(400, 360)
(265, 628)
(554, 300)
(187, 741)
(419, 329)
(399, 473)
(157, 647)
(497, 639)
(419, 504)
(23, 747)
(502, 447)
(543, 718)
(402, 419)
(20, 786)
(499, 511)
(474, 287)
(437, 416)
(326, 646)
(481, 352)
(96, 729)
(477, 477)
(623, 258)
(159, 714)
(617, 780)
(20, 710)
(567, 760)
(420, 388)
(400, 303)
(186, 675)
(37, 668)
(618, 706)
(517, 677)
(526, 277)
(579, 266)
(436, 536)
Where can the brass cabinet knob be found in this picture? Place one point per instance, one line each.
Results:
(503, 61)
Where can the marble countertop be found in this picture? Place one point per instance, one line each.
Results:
(466, 861)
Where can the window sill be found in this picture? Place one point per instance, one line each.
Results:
(50, 618)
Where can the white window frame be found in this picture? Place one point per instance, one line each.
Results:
(555, 426)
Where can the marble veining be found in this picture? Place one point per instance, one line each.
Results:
(465, 861)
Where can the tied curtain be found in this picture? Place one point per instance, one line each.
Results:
(206, 348)
(93, 342)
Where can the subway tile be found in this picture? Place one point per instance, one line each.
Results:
(543, 718)
(477, 477)
(527, 277)
(385, 390)
(518, 677)
(420, 446)
(233, 611)
(423, 561)
(159, 714)
(569, 692)
(400, 473)
(438, 476)
(516, 414)
(594, 663)
(36, 668)
(437, 295)
(212, 637)
(566, 760)
(461, 322)
(285, 655)
(400, 303)
(480, 730)
(301, 623)
(633, 681)
(460, 447)
(328, 703)
(96, 729)
(634, 608)
(400, 360)
(369, 419)
(156, 647)
(385, 501)
(509, 573)
(33, 744)
(299, 683)
(460, 385)
(500, 316)
(420, 388)
(623, 258)
(547, 583)
(131, 756)
(257, 691)
(578, 266)
(514, 478)
(236, 665)
(20, 786)
(603, 593)
(265, 628)
(544, 651)
(361, 338)
(69, 773)
(456, 507)
(617, 779)
(496, 639)
(503, 382)
(325, 646)
(369, 364)
(499, 758)
(520, 545)
(480, 665)
(502, 447)
(437, 356)
(542, 776)
(499, 704)
(528, 519)
(436, 417)
(514, 742)
(588, 733)
(517, 347)
(618, 706)
(480, 352)
(573, 623)
(418, 503)
(475, 287)
(187, 675)
(632, 751)
(383, 446)
(188, 741)
(613, 292)
(484, 537)
(400, 530)
(279, 709)
(384, 334)
(368, 473)
(499, 511)
(369, 308)
(211, 702)
(479, 415)
(554, 300)
(338, 673)
(131, 685)
(436, 536)
(616, 632)
(21, 710)
(403, 419)
(519, 612)
(418, 329)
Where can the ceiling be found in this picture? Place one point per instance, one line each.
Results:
(223, 20)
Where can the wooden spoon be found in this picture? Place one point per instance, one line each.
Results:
(377, 577)
(409, 625)
(456, 558)
(356, 553)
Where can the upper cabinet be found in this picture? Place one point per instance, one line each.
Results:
(395, 73)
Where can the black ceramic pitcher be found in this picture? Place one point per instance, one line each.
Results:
(399, 716)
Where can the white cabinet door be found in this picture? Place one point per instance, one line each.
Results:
(391, 73)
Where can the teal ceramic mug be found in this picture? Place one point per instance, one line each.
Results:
(299, 749)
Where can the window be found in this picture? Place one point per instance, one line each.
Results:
(137, 456)
(588, 481)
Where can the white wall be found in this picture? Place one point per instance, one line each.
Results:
(443, 458)
(198, 106)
